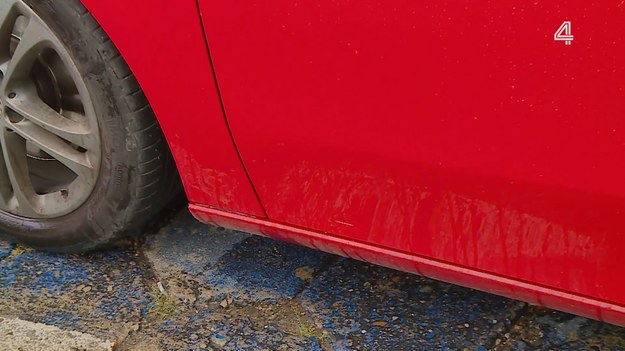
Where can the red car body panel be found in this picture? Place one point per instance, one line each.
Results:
(455, 140)
(163, 43)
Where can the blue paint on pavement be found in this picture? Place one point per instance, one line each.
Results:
(370, 307)
(5, 249)
(260, 268)
(73, 291)
(189, 246)
(41, 271)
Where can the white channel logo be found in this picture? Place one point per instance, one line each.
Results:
(564, 33)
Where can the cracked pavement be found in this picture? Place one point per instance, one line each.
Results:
(197, 287)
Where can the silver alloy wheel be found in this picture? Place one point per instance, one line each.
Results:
(49, 139)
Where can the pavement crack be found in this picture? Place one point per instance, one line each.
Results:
(148, 276)
(149, 281)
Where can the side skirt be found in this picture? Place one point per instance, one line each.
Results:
(468, 277)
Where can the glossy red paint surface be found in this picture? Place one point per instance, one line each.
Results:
(457, 131)
(452, 139)
(163, 43)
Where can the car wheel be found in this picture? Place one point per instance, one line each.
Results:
(83, 161)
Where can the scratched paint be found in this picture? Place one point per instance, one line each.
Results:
(552, 237)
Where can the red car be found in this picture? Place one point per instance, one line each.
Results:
(480, 143)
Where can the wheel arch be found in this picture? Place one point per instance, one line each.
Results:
(164, 45)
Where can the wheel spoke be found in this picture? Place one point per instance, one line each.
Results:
(71, 126)
(14, 151)
(34, 38)
(7, 15)
(73, 159)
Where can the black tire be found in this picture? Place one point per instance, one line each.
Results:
(137, 176)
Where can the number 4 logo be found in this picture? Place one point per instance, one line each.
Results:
(564, 33)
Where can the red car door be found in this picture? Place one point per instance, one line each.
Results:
(489, 135)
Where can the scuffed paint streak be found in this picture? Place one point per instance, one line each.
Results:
(528, 232)
(494, 239)
(222, 187)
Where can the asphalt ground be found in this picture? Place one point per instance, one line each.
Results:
(191, 286)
